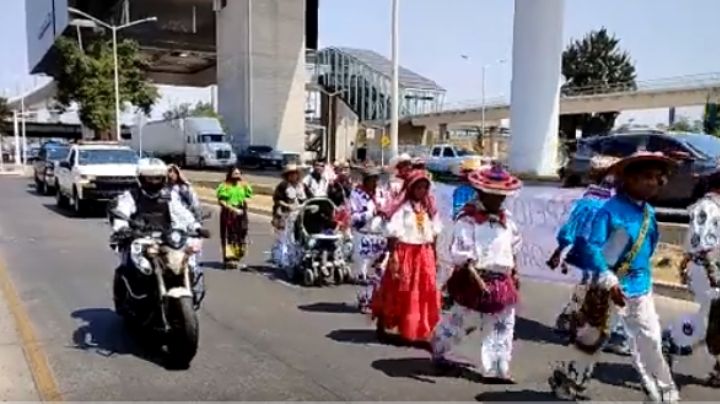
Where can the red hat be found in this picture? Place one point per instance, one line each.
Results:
(495, 180)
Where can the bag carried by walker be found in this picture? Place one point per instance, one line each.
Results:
(590, 325)
(465, 289)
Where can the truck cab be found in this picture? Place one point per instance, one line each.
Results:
(447, 158)
(94, 172)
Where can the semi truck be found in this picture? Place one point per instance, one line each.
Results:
(192, 142)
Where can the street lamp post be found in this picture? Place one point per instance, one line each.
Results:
(114, 29)
(482, 89)
(395, 86)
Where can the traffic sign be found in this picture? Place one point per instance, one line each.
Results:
(385, 141)
(370, 133)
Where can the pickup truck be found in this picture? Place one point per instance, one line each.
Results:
(447, 158)
(94, 172)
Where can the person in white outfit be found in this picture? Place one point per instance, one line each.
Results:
(368, 232)
(701, 272)
(317, 182)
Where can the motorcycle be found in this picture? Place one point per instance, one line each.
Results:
(152, 289)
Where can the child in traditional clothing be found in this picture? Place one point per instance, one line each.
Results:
(369, 242)
(572, 237)
(408, 298)
(701, 271)
(623, 237)
(484, 284)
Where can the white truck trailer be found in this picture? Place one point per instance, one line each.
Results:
(193, 142)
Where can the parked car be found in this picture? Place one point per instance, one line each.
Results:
(44, 167)
(697, 153)
(261, 157)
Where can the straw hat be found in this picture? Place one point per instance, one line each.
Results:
(619, 166)
(370, 172)
(290, 168)
(494, 180)
(342, 164)
(402, 158)
(600, 164)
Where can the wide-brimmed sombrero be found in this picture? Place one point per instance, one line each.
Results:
(370, 172)
(399, 159)
(290, 168)
(495, 180)
(342, 164)
(619, 166)
(600, 164)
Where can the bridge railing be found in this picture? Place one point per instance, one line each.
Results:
(689, 82)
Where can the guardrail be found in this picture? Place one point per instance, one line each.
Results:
(689, 82)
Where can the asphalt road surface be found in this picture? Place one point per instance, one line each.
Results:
(261, 338)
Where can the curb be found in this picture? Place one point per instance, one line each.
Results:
(671, 290)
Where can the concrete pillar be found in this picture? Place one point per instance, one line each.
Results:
(536, 80)
(443, 132)
(261, 72)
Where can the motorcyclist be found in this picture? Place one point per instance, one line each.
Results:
(152, 207)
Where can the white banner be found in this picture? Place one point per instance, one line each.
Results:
(539, 213)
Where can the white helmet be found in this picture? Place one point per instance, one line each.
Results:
(151, 167)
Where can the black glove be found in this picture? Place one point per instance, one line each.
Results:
(122, 236)
(203, 233)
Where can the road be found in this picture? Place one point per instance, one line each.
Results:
(261, 338)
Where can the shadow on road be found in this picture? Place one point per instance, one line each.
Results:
(215, 265)
(519, 395)
(422, 369)
(95, 212)
(103, 331)
(357, 336)
(530, 330)
(329, 307)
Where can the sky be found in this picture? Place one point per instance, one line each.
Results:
(665, 38)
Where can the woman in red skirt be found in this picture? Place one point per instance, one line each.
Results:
(408, 298)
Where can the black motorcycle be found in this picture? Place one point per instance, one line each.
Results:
(152, 289)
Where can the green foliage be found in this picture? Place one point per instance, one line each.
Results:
(87, 78)
(683, 124)
(711, 120)
(5, 111)
(595, 63)
(186, 110)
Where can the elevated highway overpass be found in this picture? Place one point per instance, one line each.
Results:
(254, 51)
(661, 93)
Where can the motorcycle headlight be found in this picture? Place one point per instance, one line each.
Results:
(312, 242)
(175, 239)
(139, 260)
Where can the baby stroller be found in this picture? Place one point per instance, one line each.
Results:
(321, 258)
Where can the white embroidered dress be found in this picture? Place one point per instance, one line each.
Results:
(492, 247)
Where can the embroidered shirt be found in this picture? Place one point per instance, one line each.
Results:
(492, 244)
(614, 230)
(404, 226)
(364, 210)
(576, 229)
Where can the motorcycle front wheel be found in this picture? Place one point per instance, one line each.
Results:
(183, 337)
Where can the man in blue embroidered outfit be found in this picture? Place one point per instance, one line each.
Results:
(623, 237)
(701, 272)
(573, 236)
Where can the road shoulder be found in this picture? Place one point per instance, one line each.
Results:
(16, 380)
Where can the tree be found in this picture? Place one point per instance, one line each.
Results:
(594, 62)
(5, 111)
(186, 110)
(711, 120)
(87, 78)
(682, 124)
